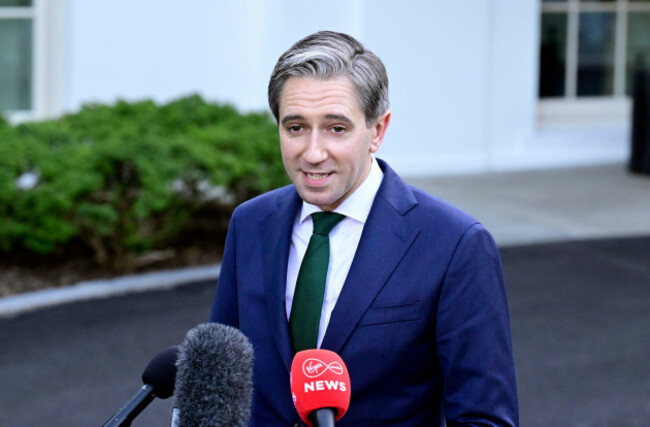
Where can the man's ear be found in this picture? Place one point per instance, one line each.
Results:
(379, 130)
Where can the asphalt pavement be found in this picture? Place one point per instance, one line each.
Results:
(579, 312)
(76, 364)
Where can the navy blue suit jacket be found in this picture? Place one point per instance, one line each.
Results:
(422, 321)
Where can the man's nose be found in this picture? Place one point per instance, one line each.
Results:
(316, 150)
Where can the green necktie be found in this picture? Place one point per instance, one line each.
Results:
(310, 286)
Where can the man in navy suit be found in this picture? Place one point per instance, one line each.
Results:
(414, 299)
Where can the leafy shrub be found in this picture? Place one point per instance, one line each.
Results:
(126, 178)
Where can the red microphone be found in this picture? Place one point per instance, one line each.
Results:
(320, 387)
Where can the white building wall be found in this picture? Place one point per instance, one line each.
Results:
(463, 74)
(436, 56)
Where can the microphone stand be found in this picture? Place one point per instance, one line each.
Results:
(323, 417)
(125, 416)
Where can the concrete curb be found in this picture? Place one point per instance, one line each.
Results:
(16, 304)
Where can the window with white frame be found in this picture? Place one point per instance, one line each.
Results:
(590, 48)
(16, 63)
(32, 58)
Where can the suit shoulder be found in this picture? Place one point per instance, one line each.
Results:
(425, 211)
(264, 203)
(438, 212)
(448, 225)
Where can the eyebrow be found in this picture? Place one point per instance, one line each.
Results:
(339, 117)
(286, 119)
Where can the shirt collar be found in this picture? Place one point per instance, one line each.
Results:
(357, 205)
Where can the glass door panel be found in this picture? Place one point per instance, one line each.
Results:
(596, 45)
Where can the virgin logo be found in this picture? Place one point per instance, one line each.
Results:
(314, 368)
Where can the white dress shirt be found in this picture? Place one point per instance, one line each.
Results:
(344, 239)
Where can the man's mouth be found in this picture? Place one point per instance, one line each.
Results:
(317, 176)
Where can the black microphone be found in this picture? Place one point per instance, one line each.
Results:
(214, 381)
(158, 378)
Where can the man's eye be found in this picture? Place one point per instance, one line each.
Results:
(295, 128)
(338, 129)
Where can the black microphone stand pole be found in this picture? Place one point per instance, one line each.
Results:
(125, 416)
(323, 417)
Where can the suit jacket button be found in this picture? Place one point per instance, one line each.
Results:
(296, 424)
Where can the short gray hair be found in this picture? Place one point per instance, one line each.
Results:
(326, 55)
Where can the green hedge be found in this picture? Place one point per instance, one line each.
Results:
(126, 178)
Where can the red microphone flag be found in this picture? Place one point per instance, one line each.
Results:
(319, 379)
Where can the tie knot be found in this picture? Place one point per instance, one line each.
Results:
(324, 222)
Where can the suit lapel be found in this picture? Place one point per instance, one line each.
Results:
(385, 239)
(276, 231)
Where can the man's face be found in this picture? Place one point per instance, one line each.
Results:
(326, 146)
